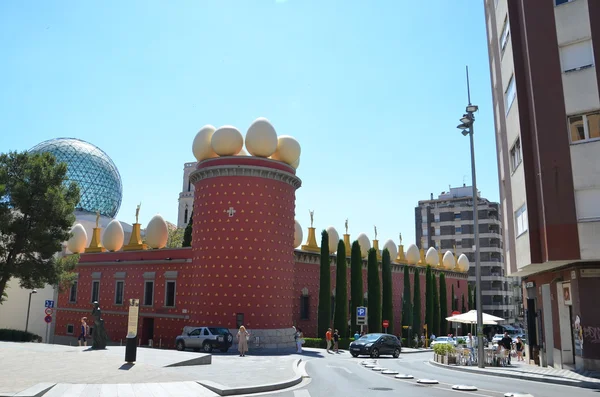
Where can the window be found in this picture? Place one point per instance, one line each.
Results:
(119, 292)
(148, 293)
(195, 332)
(239, 319)
(70, 329)
(584, 127)
(521, 222)
(505, 35)
(457, 216)
(559, 2)
(95, 291)
(509, 94)
(516, 155)
(304, 308)
(577, 56)
(189, 186)
(73, 293)
(170, 294)
(437, 217)
(458, 230)
(437, 231)
(185, 216)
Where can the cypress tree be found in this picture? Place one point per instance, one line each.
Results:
(356, 281)
(387, 307)
(474, 298)
(428, 300)
(187, 234)
(436, 306)
(324, 317)
(374, 292)
(340, 319)
(443, 305)
(416, 323)
(406, 302)
(463, 309)
(470, 297)
(454, 303)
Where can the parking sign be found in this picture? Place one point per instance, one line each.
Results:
(361, 311)
(49, 304)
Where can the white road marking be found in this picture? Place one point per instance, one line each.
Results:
(335, 366)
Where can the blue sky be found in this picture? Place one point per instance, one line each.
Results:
(372, 91)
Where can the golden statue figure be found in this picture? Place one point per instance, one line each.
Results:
(375, 227)
(97, 218)
(312, 213)
(346, 225)
(137, 212)
(400, 236)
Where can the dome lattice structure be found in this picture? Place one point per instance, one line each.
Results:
(94, 172)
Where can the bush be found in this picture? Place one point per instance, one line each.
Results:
(443, 349)
(320, 343)
(14, 335)
(461, 341)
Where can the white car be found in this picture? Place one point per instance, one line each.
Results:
(443, 339)
(497, 338)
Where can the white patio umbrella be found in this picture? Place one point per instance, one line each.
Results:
(470, 317)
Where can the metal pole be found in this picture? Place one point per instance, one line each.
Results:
(28, 307)
(480, 355)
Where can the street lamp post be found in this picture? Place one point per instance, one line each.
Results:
(29, 307)
(467, 121)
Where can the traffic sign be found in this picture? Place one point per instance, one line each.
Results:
(361, 311)
(49, 303)
(48, 319)
(48, 311)
(455, 313)
(386, 323)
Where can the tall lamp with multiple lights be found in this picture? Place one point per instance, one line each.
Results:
(33, 291)
(466, 126)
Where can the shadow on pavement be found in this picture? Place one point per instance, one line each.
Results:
(126, 366)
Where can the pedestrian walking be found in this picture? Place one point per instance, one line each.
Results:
(356, 335)
(84, 332)
(299, 336)
(328, 339)
(519, 348)
(336, 341)
(242, 338)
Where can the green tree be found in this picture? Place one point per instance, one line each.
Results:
(340, 319)
(436, 306)
(387, 305)
(406, 303)
(356, 280)
(454, 302)
(374, 292)
(324, 317)
(416, 323)
(187, 234)
(463, 308)
(36, 215)
(175, 239)
(470, 297)
(428, 300)
(443, 305)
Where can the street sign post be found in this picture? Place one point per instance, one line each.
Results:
(48, 311)
(132, 327)
(48, 320)
(361, 317)
(385, 324)
(49, 304)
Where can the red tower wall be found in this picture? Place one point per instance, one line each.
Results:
(246, 259)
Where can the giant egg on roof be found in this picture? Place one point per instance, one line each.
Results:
(365, 244)
(261, 138)
(334, 239)
(78, 239)
(390, 245)
(288, 150)
(227, 141)
(297, 234)
(201, 147)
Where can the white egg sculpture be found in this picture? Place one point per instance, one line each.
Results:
(449, 262)
(296, 164)
(297, 234)
(157, 232)
(288, 150)
(76, 244)
(261, 138)
(431, 257)
(113, 236)
(390, 245)
(365, 244)
(202, 147)
(242, 152)
(412, 254)
(463, 263)
(334, 239)
(227, 141)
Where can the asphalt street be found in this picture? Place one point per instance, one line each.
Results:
(342, 375)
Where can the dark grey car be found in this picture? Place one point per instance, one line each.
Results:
(375, 345)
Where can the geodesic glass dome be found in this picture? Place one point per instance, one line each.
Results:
(97, 176)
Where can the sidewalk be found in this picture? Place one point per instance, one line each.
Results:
(36, 369)
(520, 370)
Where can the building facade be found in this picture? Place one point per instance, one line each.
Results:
(447, 223)
(186, 197)
(545, 85)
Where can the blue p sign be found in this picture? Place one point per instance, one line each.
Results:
(361, 311)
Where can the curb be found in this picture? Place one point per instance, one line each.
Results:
(232, 391)
(417, 351)
(539, 378)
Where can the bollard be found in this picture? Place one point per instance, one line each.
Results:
(160, 343)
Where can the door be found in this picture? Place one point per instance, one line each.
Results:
(147, 330)
(193, 339)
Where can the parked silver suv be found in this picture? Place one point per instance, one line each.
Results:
(205, 339)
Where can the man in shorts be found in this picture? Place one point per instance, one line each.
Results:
(328, 339)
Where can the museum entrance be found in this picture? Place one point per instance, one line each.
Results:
(147, 331)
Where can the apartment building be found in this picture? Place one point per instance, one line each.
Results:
(447, 222)
(545, 82)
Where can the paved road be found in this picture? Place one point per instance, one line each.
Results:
(341, 375)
